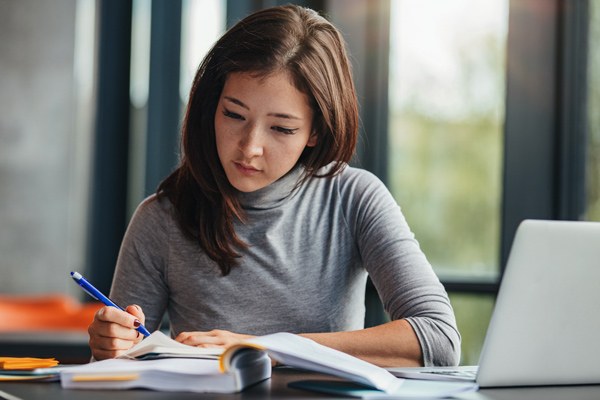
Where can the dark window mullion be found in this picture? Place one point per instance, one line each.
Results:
(530, 187)
(108, 193)
(162, 140)
(480, 287)
(572, 135)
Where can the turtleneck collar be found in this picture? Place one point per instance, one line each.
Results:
(273, 195)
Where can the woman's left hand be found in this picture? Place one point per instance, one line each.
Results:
(214, 338)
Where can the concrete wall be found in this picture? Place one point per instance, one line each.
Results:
(42, 209)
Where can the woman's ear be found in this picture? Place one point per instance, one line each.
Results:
(312, 140)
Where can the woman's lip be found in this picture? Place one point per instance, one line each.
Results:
(248, 169)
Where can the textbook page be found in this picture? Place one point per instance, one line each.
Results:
(300, 352)
(159, 345)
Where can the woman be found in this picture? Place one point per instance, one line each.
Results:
(263, 227)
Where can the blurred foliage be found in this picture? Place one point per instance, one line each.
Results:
(446, 176)
(473, 312)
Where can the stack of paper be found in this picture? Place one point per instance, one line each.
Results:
(168, 374)
(28, 369)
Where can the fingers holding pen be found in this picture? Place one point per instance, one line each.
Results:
(113, 331)
(137, 312)
(119, 321)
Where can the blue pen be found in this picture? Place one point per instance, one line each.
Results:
(96, 294)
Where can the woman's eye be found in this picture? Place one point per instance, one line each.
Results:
(286, 131)
(232, 115)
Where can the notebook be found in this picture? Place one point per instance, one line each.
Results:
(545, 324)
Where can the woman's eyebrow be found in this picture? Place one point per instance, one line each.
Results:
(274, 114)
(236, 101)
(282, 115)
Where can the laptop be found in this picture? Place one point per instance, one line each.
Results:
(545, 328)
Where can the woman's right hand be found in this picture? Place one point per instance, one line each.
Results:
(113, 331)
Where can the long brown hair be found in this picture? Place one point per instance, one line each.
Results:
(285, 38)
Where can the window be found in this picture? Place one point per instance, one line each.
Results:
(447, 80)
(203, 22)
(446, 120)
(192, 29)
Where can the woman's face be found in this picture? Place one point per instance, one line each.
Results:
(262, 126)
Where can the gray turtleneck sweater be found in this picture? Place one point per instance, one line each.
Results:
(310, 250)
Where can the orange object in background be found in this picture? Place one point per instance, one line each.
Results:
(52, 312)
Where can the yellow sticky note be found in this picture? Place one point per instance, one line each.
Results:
(99, 378)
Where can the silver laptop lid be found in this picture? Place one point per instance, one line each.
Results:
(546, 322)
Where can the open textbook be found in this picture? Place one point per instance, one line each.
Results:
(196, 369)
(161, 363)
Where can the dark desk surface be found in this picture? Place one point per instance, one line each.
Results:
(68, 347)
(276, 388)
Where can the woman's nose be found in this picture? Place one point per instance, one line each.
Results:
(251, 144)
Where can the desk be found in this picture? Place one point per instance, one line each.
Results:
(276, 388)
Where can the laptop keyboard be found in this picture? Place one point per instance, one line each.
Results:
(457, 373)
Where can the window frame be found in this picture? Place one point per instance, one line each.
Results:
(546, 52)
(545, 132)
